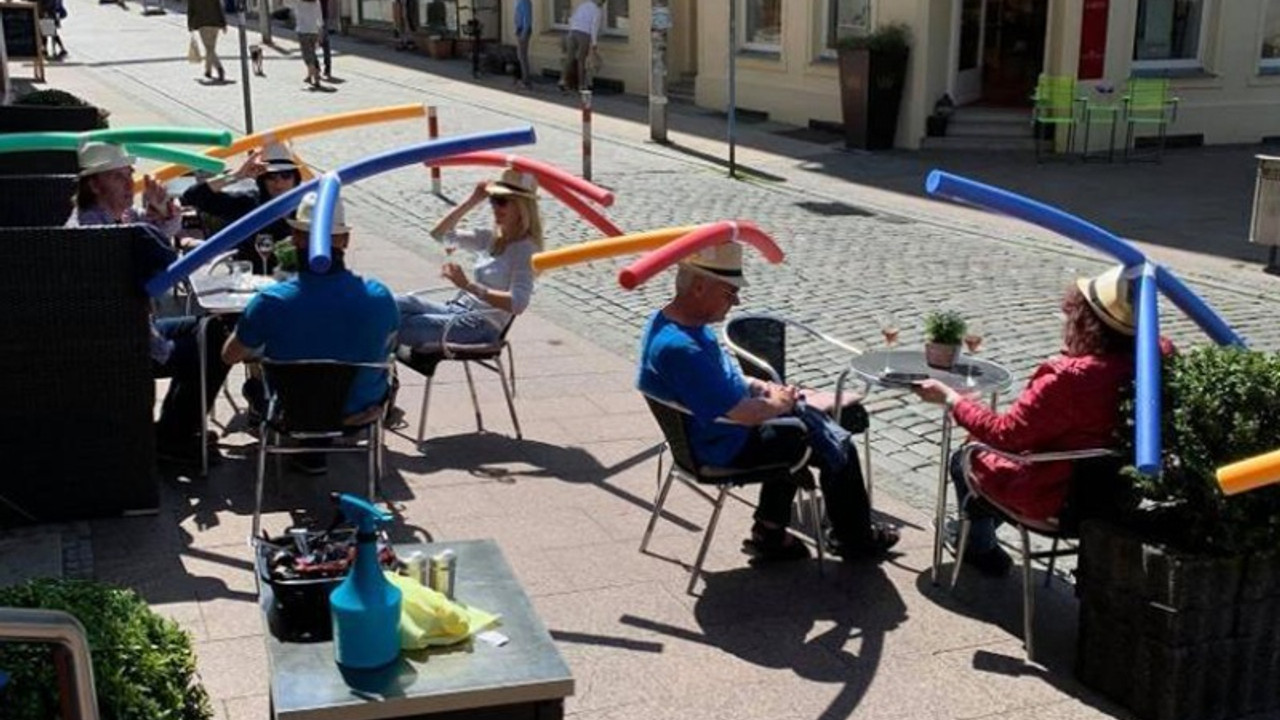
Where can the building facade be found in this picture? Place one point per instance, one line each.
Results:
(1223, 56)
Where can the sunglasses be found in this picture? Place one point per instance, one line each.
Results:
(278, 175)
(499, 200)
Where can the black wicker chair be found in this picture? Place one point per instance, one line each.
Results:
(36, 200)
(76, 434)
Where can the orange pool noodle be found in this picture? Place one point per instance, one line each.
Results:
(1250, 474)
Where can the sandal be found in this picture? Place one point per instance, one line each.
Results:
(773, 545)
(880, 538)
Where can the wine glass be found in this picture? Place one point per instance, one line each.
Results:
(889, 329)
(265, 244)
(973, 335)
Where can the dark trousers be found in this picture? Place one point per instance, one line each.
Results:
(326, 52)
(843, 487)
(180, 412)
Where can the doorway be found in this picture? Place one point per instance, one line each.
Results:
(999, 50)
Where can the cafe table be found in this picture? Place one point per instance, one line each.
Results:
(215, 295)
(523, 678)
(969, 375)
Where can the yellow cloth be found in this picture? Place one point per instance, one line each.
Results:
(429, 618)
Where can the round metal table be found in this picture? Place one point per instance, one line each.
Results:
(986, 378)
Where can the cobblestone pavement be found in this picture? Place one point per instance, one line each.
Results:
(840, 270)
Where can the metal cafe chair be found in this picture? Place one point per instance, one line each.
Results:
(759, 342)
(1093, 472)
(1148, 101)
(1055, 103)
(671, 419)
(485, 355)
(306, 401)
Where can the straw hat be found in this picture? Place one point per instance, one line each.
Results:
(1108, 295)
(307, 209)
(99, 157)
(514, 183)
(722, 262)
(277, 157)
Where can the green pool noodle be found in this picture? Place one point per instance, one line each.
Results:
(182, 136)
(185, 158)
(22, 142)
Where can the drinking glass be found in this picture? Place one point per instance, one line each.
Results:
(889, 329)
(241, 271)
(973, 335)
(265, 245)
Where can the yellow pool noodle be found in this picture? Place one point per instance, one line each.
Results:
(309, 126)
(608, 247)
(1250, 473)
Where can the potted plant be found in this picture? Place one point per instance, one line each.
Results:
(46, 111)
(943, 331)
(440, 47)
(1180, 599)
(143, 664)
(873, 72)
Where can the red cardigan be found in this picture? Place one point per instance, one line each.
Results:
(1070, 403)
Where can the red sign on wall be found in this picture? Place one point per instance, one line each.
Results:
(1093, 39)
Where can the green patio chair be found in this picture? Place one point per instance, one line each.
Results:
(1055, 104)
(1148, 101)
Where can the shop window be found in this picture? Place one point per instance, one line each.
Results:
(1271, 37)
(762, 25)
(617, 15)
(1170, 34)
(845, 18)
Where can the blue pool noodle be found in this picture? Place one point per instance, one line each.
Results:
(1196, 309)
(1147, 370)
(281, 206)
(320, 246)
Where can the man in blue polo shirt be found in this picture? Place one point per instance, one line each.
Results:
(681, 361)
(336, 315)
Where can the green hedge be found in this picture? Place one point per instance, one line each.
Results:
(143, 664)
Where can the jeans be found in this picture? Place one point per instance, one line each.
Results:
(522, 53)
(180, 414)
(982, 527)
(422, 323)
(842, 485)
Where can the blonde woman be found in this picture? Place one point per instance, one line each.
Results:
(503, 282)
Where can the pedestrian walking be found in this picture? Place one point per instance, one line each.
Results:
(309, 22)
(328, 15)
(52, 13)
(584, 32)
(524, 31)
(205, 17)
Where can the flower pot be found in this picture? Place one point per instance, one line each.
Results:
(938, 355)
(871, 85)
(440, 48)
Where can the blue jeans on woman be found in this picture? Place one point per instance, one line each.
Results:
(982, 527)
(422, 323)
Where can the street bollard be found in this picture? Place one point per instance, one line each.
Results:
(433, 132)
(586, 134)
(1264, 229)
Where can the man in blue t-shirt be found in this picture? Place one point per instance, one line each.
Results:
(336, 315)
(681, 361)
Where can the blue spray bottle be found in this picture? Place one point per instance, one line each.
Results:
(365, 607)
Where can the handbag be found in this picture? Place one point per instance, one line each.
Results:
(48, 28)
(193, 51)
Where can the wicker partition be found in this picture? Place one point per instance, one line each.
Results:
(76, 392)
(35, 200)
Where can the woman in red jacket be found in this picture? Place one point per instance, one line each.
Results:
(1071, 402)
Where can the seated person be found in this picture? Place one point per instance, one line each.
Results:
(1071, 402)
(681, 361)
(274, 172)
(336, 315)
(105, 197)
(503, 274)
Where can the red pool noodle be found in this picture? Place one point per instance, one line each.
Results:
(635, 274)
(543, 171)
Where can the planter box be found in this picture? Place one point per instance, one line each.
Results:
(43, 118)
(1174, 636)
(870, 95)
